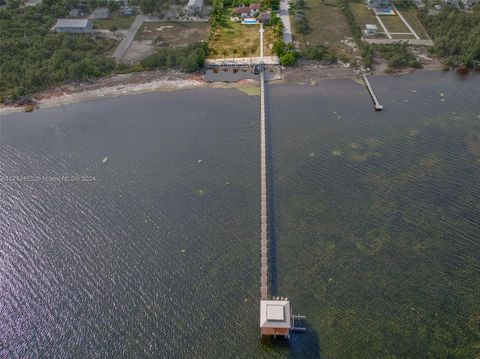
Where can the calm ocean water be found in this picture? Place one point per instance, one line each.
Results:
(129, 226)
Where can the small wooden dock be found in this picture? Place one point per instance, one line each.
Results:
(378, 107)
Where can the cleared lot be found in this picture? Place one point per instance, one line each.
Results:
(394, 24)
(326, 22)
(165, 33)
(116, 21)
(414, 23)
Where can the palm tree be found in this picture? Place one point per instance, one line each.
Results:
(234, 51)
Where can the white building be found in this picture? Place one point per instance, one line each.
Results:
(194, 6)
(74, 26)
(275, 318)
(370, 29)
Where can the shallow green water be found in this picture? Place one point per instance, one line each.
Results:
(378, 216)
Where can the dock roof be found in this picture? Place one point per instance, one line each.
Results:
(275, 314)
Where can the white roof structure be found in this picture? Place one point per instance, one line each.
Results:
(72, 23)
(195, 4)
(371, 27)
(275, 314)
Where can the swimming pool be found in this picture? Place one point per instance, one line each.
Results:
(250, 21)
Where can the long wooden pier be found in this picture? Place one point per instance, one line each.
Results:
(276, 317)
(263, 183)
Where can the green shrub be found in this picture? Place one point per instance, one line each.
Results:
(187, 59)
(456, 35)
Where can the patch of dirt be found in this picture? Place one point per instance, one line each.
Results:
(137, 51)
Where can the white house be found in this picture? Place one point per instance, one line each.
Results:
(194, 6)
(370, 29)
(74, 26)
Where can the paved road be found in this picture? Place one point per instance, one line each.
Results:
(284, 15)
(127, 40)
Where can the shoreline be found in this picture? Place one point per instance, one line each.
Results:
(158, 81)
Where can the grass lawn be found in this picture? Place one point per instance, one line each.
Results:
(327, 24)
(244, 38)
(166, 33)
(363, 15)
(409, 15)
(118, 20)
(394, 23)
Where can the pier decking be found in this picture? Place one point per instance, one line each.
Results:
(263, 194)
(263, 181)
(378, 107)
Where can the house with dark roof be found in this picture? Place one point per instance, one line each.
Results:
(246, 11)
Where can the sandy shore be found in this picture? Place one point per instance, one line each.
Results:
(150, 81)
(119, 85)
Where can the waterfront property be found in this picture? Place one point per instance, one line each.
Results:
(392, 26)
(237, 40)
(74, 26)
